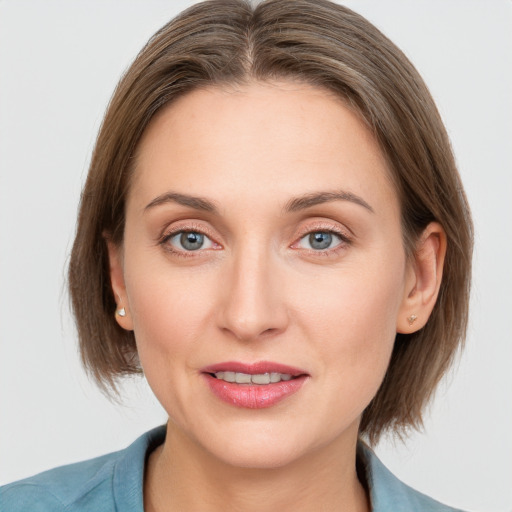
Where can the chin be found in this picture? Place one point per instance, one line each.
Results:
(270, 445)
(264, 455)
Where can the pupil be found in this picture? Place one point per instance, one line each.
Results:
(191, 241)
(320, 240)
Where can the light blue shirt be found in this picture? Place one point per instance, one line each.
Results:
(114, 483)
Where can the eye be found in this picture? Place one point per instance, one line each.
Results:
(320, 240)
(189, 241)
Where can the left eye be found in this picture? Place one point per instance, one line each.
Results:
(190, 241)
(320, 240)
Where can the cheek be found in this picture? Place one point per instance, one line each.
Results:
(353, 326)
(169, 320)
(361, 299)
(168, 309)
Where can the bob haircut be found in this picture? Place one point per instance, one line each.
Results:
(232, 42)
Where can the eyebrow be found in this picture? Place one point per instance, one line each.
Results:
(198, 203)
(315, 198)
(293, 205)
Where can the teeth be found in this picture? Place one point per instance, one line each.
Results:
(259, 378)
(229, 376)
(242, 378)
(275, 377)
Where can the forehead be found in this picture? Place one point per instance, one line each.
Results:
(281, 138)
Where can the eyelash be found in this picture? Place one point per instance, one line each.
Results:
(345, 240)
(190, 228)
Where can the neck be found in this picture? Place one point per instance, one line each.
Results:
(181, 475)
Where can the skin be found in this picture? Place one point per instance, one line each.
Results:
(258, 291)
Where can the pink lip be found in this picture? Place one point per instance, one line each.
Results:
(253, 396)
(253, 368)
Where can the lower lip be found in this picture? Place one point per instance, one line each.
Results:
(254, 396)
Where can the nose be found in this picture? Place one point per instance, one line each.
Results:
(253, 299)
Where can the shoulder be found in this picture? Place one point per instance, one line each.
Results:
(103, 483)
(388, 493)
(58, 488)
(62, 488)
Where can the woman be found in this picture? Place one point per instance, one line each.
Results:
(273, 230)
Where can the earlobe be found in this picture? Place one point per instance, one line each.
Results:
(122, 314)
(424, 279)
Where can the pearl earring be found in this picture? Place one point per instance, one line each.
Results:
(121, 312)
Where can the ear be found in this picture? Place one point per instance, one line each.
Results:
(115, 256)
(424, 275)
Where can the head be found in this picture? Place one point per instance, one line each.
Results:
(222, 52)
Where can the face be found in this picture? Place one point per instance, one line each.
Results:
(262, 245)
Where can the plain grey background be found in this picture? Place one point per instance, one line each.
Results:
(59, 62)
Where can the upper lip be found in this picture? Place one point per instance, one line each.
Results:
(253, 368)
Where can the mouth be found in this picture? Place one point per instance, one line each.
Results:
(253, 386)
(260, 379)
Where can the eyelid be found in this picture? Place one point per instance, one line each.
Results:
(330, 227)
(345, 234)
(345, 239)
(175, 239)
(183, 227)
(334, 236)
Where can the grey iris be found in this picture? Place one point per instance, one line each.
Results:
(191, 241)
(320, 240)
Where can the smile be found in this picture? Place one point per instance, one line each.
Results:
(253, 386)
(259, 378)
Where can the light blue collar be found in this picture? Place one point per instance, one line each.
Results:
(387, 493)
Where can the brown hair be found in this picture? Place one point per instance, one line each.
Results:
(324, 44)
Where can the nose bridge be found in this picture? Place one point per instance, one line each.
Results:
(253, 303)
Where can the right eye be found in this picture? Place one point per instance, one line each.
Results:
(189, 241)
